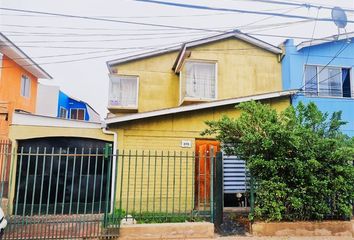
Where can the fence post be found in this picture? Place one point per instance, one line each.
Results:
(211, 184)
(252, 195)
(218, 192)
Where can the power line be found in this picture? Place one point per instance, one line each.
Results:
(313, 35)
(200, 7)
(107, 20)
(296, 3)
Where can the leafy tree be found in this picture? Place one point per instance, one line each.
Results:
(300, 161)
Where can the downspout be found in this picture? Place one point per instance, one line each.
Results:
(114, 159)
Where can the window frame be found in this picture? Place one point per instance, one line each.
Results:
(24, 79)
(137, 79)
(183, 98)
(66, 112)
(78, 114)
(317, 94)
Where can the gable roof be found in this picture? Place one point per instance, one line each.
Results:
(324, 40)
(8, 48)
(195, 107)
(182, 47)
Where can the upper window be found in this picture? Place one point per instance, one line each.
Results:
(25, 86)
(327, 81)
(123, 91)
(198, 80)
(63, 113)
(77, 113)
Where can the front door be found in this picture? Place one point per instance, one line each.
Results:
(202, 170)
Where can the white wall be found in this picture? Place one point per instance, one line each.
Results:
(47, 100)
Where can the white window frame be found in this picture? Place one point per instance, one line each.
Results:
(137, 78)
(318, 80)
(25, 79)
(66, 112)
(183, 98)
(78, 109)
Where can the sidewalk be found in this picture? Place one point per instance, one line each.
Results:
(283, 238)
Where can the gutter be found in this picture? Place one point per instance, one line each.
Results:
(114, 159)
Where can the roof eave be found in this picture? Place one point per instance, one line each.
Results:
(196, 107)
(30, 65)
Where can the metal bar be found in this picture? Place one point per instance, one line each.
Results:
(121, 187)
(148, 184)
(4, 155)
(87, 179)
(94, 182)
(101, 187)
(154, 195)
(50, 180)
(205, 179)
(57, 185)
(26, 188)
(168, 176)
(174, 182)
(135, 172)
(161, 181)
(34, 182)
(180, 182)
(128, 186)
(193, 181)
(18, 187)
(212, 185)
(79, 193)
(42, 181)
(141, 181)
(107, 190)
(115, 158)
(186, 194)
(65, 178)
(72, 182)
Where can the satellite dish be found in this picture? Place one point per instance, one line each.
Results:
(339, 17)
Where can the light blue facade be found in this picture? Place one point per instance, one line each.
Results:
(293, 67)
(69, 103)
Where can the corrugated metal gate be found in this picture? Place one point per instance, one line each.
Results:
(235, 176)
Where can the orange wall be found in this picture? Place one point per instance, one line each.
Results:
(10, 91)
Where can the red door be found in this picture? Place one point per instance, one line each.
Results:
(202, 170)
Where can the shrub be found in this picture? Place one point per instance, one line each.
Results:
(300, 161)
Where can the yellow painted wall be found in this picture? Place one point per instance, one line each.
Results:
(164, 135)
(243, 70)
(19, 132)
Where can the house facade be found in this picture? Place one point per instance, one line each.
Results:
(19, 76)
(323, 71)
(53, 102)
(161, 100)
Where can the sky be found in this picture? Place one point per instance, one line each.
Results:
(75, 50)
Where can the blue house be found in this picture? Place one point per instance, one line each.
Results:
(75, 109)
(323, 71)
(53, 102)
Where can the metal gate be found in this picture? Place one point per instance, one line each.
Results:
(57, 193)
(82, 193)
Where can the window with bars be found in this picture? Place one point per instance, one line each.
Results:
(25, 86)
(327, 81)
(123, 91)
(198, 80)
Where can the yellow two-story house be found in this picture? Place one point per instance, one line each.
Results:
(160, 100)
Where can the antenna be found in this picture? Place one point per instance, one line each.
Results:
(340, 19)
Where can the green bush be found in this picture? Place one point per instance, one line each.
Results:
(300, 161)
